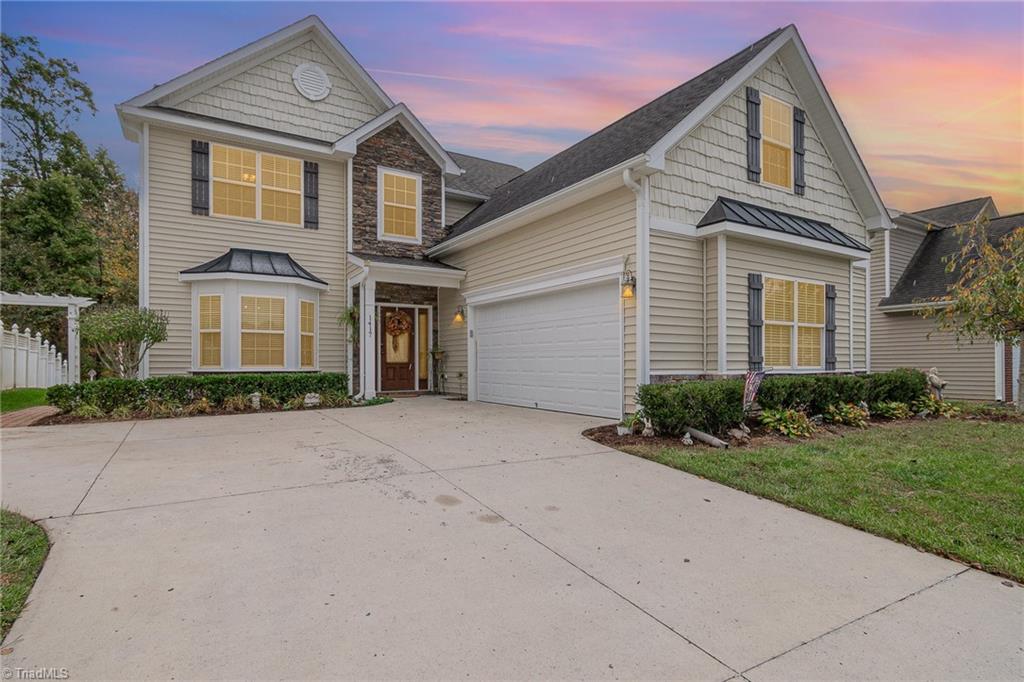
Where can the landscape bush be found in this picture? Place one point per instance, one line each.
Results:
(158, 394)
(789, 422)
(717, 405)
(891, 409)
(848, 414)
(901, 385)
(712, 406)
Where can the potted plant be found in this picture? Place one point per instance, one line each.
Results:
(350, 317)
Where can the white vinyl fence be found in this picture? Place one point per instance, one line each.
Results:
(28, 361)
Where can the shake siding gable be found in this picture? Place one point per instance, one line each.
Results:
(265, 96)
(180, 240)
(712, 161)
(591, 231)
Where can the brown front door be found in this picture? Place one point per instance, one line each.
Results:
(397, 349)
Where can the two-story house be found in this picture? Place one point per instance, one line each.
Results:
(721, 227)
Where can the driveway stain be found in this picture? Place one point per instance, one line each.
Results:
(489, 518)
(447, 500)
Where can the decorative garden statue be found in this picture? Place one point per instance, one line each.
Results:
(935, 382)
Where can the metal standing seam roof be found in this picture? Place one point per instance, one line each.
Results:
(735, 211)
(252, 262)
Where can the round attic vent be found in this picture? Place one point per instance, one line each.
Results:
(311, 81)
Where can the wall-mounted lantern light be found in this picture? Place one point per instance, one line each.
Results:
(628, 284)
(460, 315)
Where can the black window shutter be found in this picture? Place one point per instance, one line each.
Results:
(799, 119)
(830, 326)
(755, 354)
(753, 135)
(311, 193)
(200, 177)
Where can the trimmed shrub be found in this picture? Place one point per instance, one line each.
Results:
(135, 394)
(900, 385)
(712, 406)
(810, 392)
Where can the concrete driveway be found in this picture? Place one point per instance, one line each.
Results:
(439, 539)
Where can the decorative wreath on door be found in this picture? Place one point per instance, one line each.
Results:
(397, 324)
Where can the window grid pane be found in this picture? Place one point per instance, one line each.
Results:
(778, 300)
(306, 350)
(236, 165)
(307, 316)
(811, 303)
(209, 313)
(238, 201)
(263, 313)
(281, 207)
(777, 121)
(281, 173)
(262, 349)
(776, 164)
(307, 335)
(808, 349)
(209, 349)
(777, 345)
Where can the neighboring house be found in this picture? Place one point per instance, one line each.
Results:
(908, 270)
(721, 227)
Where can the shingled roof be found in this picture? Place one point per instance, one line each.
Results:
(926, 278)
(482, 176)
(954, 214)
(630, 136)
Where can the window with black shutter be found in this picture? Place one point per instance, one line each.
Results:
(311, 193)
(753, 135)
(799, 119)
(200, 177)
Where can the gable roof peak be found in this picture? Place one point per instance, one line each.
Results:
(312, 25)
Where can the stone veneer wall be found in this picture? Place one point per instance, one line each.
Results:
(393, 147)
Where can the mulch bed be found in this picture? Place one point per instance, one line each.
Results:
(59, 419)
(760, 437)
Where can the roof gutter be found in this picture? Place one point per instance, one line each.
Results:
(910, 307)
(544, 206)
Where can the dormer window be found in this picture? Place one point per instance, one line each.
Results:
(399, 202)
(777, 142)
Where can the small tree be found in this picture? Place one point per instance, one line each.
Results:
(987, 298)
(122, 336)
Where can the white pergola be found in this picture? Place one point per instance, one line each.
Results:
(73, 304)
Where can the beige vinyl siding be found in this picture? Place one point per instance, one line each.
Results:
(180, 240)
(591, 231)
(265, 96)
(902, 340)
(452, 336)
(859, 318)
(745, 256)
(454, 209)
(711, 303)
(909, 340)
(712, 161)
(677, 304)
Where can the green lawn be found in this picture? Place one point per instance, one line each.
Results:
(24, 546)
(952, 487)
(17, 398)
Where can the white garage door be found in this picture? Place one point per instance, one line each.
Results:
(557, 351)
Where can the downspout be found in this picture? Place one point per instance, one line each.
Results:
(348, 248)
(640, 189)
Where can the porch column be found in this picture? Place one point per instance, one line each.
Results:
(368, 341)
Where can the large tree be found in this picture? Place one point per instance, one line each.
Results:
(41, 97)
(987, 298)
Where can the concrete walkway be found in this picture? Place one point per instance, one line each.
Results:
(438, 539)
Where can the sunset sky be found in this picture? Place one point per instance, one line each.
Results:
(932, 93)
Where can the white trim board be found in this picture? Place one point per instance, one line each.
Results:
(579, 275)
(247, 277)
(400, 113)
(398, 273)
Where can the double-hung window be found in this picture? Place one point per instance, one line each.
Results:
(256, 185)
(398, 205)
(794, 323)
(777, 142)
(209, 331)
(307, 334)
(262, 334)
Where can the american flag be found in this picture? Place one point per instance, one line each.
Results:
(751, 383)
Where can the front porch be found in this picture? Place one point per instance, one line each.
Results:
(396, 300)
